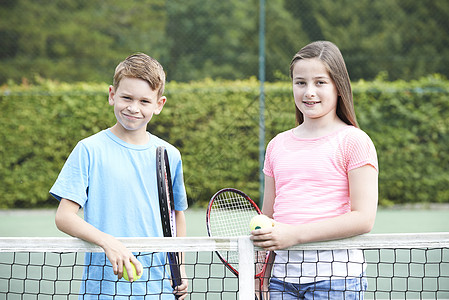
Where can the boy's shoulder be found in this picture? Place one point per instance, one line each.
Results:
(96, 139)
(157, 141)
(105, 139)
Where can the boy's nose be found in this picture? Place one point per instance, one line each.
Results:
(132, 108)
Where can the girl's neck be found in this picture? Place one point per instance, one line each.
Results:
(317, 128)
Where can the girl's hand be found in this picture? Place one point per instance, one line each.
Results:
(280, 236)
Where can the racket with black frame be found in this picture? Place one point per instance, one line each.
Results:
(229, 214)
(167, 209)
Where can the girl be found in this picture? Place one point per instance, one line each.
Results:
(321, 183)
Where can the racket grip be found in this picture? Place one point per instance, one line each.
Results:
(176, 278)
(174, 270)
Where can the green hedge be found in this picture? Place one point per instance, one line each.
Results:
(215, 125)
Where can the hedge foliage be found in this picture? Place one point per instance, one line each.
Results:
(215, 124)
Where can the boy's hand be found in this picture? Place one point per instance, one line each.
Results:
(137, 266)
(181, 290)
(120, 257)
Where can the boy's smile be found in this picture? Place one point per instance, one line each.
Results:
(134, 105)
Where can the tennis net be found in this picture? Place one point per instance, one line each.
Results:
(399, 266)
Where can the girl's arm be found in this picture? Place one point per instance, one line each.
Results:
(363, 188)
(67, 220)
(268, 196)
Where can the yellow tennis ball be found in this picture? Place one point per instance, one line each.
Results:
(135, 276)
(260, 221)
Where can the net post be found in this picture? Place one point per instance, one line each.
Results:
(246, 268)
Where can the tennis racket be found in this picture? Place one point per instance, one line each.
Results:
(167, 209)
(229, 214)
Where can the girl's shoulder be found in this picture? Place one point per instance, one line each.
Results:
(354, 141)
(282, 136)
(346, 136)
(353, 133)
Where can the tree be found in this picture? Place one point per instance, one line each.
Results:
(406, 39)
(211, 39)
(77, 40)
(82, 40)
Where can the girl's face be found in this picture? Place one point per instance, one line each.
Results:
(314, 91)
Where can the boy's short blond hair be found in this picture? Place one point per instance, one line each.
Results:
(144, 67)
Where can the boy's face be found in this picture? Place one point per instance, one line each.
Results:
(135, 103)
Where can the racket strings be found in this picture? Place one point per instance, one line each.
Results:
(230, 215)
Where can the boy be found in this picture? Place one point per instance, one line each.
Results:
(112, 175)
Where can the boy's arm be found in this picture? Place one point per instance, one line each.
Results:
(180, 232)
(67, 220)
(180, 223)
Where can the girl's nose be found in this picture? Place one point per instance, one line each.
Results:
(310, 93)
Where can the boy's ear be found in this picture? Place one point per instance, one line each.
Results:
(160, 104)
(111, 95)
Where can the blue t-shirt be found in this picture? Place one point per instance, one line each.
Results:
(115, 183)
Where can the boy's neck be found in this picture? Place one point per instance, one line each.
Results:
(135, 137)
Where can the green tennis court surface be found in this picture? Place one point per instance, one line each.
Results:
(41, 222)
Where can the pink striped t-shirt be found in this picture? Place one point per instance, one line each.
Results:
(311, 175)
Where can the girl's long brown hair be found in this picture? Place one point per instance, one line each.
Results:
(331, 56)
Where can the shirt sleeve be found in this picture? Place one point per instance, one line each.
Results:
(72, 182)
(361, 152)
(267, 166)
(179, 191)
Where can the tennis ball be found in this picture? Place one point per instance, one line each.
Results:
(260, 221)
(135, 276)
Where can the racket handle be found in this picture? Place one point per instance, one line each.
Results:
(176, 278)
(174, 270)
